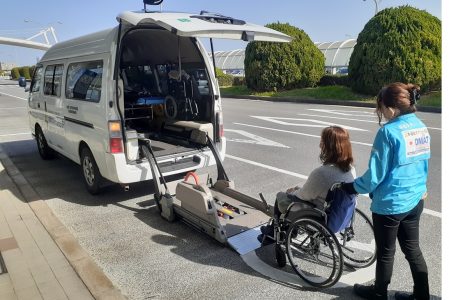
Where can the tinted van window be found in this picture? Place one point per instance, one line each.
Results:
(52, 80)
(84, 81)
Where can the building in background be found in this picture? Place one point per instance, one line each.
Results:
(336, 54)
(5, 69)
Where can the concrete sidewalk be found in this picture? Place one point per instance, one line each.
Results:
(42, 260)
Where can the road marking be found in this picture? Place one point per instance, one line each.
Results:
(349, 279)
(366, 121)
(338, 118)
(254, 139)
(18, 107)
(297, 133)
(344, 112)
(12, 134)
(254, 163)
(322, 124)
(2, 93)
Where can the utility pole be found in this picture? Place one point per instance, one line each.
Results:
(376, 2)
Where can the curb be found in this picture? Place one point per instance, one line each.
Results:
(98, 284)
(324, 102)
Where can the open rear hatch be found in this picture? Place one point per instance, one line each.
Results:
(205, 25)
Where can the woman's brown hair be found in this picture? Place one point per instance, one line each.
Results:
(336, 148)
(398, 95)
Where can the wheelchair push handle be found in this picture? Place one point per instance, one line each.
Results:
(336, 185)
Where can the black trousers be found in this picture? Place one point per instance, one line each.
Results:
(404, 227)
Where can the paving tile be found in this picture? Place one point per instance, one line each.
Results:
(6, 288)
(21, 278)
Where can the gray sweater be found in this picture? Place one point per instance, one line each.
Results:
(321, 180)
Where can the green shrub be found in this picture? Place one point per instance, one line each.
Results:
(223, 79)
(397, 44)
(237, 81)
(25, 72)
(327, 80)
(15, 73)
(279, 66)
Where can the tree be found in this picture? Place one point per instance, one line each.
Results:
(397, 44)
(280, 66)
(15, 73)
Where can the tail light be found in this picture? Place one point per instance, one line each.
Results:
(115, 137)
(219, 126)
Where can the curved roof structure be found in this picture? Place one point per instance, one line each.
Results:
(336, 54)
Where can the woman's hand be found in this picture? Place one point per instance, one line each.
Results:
(292, 190)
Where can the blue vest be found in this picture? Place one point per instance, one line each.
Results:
(398, 165)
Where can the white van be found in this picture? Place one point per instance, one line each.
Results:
(93, 96)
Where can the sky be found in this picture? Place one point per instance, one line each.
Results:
(322, 20)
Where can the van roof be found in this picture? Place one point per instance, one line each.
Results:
(183, 24)
(94, 43)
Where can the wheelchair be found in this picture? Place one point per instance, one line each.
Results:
(317, 253)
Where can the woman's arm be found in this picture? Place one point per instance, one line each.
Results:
(378, 165)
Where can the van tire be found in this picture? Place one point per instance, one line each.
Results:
(91, 174)
(45, 151)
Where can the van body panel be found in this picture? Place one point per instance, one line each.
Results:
(99, 42)
(125, 173)
(191, 25)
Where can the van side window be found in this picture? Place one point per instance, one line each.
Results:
(52, 80)
(84, 81)
(37, 79)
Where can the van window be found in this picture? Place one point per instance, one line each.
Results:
(37, 79)
(52, 80)
(84, 81)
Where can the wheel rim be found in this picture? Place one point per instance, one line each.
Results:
(88, 169)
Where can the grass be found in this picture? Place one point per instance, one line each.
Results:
(335, 92)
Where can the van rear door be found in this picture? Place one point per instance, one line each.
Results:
(205, 25)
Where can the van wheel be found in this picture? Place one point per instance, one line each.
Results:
(91, 174)
(44, 150)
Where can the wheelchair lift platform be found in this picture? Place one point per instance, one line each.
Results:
(217, 209)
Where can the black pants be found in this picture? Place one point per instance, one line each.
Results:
(405, 227)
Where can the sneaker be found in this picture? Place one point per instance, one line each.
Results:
(367, 292)
(403, 296)
(265, 239)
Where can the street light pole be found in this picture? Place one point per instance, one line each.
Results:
(376, 6)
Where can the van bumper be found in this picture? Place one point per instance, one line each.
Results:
(120, 171)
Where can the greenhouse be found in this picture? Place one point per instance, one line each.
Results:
(337, 55)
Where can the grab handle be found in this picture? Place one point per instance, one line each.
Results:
(195, 177)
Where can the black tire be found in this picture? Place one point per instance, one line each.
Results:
(314, 252)
(170, 107)
(45, 151)
(357, 242)
(91, 174)
(281, 257)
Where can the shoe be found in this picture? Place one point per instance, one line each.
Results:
(368, 292)
(403, 296)
(265, 239)
(267, 230)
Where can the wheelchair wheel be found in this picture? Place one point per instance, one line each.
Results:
(314, 252)
(281, 258)
(357, 241)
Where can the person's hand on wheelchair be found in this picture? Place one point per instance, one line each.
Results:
(348, 187)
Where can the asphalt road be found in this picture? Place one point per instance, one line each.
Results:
(271, 146)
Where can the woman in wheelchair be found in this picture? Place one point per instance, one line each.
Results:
(336, 158)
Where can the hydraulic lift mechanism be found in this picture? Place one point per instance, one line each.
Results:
(216, 209)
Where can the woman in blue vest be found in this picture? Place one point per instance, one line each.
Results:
(396, 181)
